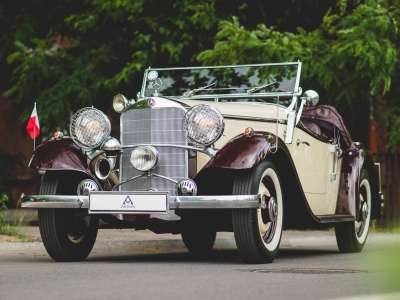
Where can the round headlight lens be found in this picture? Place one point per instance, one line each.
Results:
(89, 127)
(203, 124)
(119, 103)
(144, 158)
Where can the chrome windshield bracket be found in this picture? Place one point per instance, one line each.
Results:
(290, 127)
(303, 102)
(336, 151)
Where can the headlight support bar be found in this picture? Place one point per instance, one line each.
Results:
(210, 151)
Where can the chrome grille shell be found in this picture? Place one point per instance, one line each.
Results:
(161, 123)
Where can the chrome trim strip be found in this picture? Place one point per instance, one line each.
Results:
(226, 66)
(175, 202)
(281, 121)
(206, 202)
(236, 96)
(54, 201)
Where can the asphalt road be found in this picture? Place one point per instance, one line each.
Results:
(308, 266)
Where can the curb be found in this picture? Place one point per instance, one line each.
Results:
(135, 241)
(116, 246)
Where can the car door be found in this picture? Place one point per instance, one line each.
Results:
(317, 164)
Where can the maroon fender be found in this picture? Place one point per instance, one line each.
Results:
(349, 195)
(348, 191)
(243, 152)
(61, 154)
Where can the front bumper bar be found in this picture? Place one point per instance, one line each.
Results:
(175, 202)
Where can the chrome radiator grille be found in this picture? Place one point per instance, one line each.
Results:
(154, 126)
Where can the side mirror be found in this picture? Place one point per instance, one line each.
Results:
(312, 97)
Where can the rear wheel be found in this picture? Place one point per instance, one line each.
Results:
(351, 236)
(67, 234)
(258, 231)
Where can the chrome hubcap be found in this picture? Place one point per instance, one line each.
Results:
(364, 211)
(269, 209)
(272, 209)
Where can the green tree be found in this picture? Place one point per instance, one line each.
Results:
(350, 59)
(93, 50)
(79, 53)
(75, 53)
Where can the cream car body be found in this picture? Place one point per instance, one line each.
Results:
(202, 150)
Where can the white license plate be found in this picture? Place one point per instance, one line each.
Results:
(129, 202)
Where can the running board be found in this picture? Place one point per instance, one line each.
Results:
(336, 218)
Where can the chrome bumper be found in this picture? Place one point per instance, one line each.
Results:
(175, 202)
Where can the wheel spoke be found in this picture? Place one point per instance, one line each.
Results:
(262, 190)
(269, 234)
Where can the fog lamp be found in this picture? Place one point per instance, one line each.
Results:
(186, 187)
(144, 158)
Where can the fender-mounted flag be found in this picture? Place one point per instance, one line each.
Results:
(33, 126)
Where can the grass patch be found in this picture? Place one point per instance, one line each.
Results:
(386, 267)
(8, 229)
(5, 227)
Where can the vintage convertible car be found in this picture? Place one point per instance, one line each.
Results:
(202, 150)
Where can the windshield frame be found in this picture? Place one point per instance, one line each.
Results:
(237, 96)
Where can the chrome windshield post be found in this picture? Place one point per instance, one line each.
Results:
(291, 118)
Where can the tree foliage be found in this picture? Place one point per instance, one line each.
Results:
(350, 59)
(75, 53)
(78, 53)
(93, 49)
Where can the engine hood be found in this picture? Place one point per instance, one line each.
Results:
(244, 109)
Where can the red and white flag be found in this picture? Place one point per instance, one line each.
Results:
(33, 126)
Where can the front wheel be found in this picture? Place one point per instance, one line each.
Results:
(351, 236)
(198, 238)
(67, 234)
(258, 232)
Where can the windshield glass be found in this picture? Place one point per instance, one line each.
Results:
(223, 82)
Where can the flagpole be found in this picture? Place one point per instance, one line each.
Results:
(34, 134)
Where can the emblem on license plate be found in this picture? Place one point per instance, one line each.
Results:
(128, 203)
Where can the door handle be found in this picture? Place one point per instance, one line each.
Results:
(298, 142)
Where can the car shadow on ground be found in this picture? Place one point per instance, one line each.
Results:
(226, 256)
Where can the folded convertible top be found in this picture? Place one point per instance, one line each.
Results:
(329, 114)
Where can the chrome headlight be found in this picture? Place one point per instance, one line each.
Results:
(119, 103)
(89, 127)
(144, 158)
(203, 124)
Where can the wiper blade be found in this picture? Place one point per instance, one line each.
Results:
(192, 92)
(257, 88)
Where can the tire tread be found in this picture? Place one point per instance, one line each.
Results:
(56, 244)
(244, 227)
